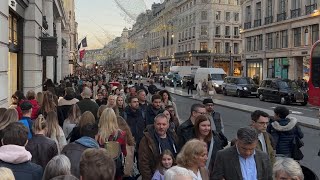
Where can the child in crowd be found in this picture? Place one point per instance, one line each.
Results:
(166, 162)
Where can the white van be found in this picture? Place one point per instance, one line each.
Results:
(216, 75)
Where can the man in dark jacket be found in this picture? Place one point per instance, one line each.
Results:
(215, 117)
(143, 103)
(157, 138)
(153, 109)
(14, 156)
(86, 104)
(65, 103)
(134, 117)
(185, 130)
(74, 150)
(284, 130)
(152, 88)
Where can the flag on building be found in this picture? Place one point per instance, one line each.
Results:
(82, 53)
(83, 43)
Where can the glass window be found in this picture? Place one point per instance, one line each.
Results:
(277, 41)
(217, 30)
(269, 40)
(236, 17)
(282, 6)
(227, 16)
(248, 47)
(218, 15)
(295, 4)
(10, 28)
(194, 31)
(236, 48)
(204, 30)
(248, 14)
(218, 77)
(236, 31)
(227, 31)
(260, 42)
(297, 37)
(204, 15)
(269, 8)
(203, 46)
(284, 39)
(227, 47)
(315, 33)
(217, 47)
(258, 10)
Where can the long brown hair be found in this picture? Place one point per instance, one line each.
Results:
(39, 124)
(74, 114)
(124, 127)
(48, 103)
(53, 125)
(11, 115)
(200, 119)
(86, 118)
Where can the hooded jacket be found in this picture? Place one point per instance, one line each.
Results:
(283, 133)
(150, 150)
(17, 158)
(74, 150)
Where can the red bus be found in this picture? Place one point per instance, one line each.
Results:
(314, 80)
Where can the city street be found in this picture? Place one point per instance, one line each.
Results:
(234, 119)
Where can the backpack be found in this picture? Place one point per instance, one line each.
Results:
(114, 151)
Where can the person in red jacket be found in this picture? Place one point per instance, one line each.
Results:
(31, 96)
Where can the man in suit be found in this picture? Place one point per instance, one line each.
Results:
(243, 161)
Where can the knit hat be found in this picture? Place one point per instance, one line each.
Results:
(206, 101)
(25, 105)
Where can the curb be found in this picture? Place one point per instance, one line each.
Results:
(243, 110)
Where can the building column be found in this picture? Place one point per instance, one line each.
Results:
(293, 67)
(264, 69)
(48, 12)
(59, 41)
(4, 15)
(65, 59)
(32, 59)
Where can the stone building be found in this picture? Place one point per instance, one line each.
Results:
(26, 26)
(278, 36)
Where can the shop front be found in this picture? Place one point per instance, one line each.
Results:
(278, 68)
(255, 68)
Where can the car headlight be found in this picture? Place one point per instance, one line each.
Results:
(215, 85)
(172, 80)
(245, 88)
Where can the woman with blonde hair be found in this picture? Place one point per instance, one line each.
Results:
(6, 174)
(86, 118)
(109, 131)
(74, 115)
(55, 132)
(111, 103)
(48, 104)
(193, 156)
(287, 168)
(42, 148)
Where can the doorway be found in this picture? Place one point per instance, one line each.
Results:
(12, 74)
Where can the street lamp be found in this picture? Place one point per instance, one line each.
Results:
(231, 64)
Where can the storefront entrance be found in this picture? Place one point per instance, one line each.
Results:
(12, 74)
(255, 69)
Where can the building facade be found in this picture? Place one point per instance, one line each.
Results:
(278, 36)
(27, 28)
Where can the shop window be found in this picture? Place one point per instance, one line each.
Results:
(315, 33)
(254, 69)
(13, 30)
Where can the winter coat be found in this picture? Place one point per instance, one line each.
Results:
(88, 105)
(158, 176)
(150, 150)
(68, 127)
(27, 122)
(270, 150)
(74, 151)
(136, 123)
(35, 108)
(64, 105)
(42, 148)
(185, 132)
(283, 133)
(151, 113)
(18, 159)
(217, 146)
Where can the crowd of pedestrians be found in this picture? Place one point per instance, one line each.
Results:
(92, 128)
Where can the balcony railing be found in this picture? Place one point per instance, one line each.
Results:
(311, 8)
(227, 36)
(257, 22)
(247, 25)
(268, 20)
(295, 13)
(281, 16)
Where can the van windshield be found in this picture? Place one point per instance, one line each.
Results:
(219, 77)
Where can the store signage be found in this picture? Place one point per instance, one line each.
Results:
(49, 46)
(13, 4)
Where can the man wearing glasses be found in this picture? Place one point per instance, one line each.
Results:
(185, 130)
(260, 121)
(215, 117)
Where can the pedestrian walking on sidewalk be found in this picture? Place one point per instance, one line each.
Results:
(190, 85)
(199, 88)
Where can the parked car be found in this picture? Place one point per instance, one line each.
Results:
(284, 91)
(185, 79)
(239, 86)
(169, 79)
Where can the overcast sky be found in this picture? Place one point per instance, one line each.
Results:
(102, 20)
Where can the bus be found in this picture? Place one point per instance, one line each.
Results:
(314, 81)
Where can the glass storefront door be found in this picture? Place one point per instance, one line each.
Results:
(12, 74)
(254, 69)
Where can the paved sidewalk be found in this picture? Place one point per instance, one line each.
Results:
(304, 121)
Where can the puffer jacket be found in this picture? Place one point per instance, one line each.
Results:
(283, 133)
(150, 150)
(74, 150)
(39, 144)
